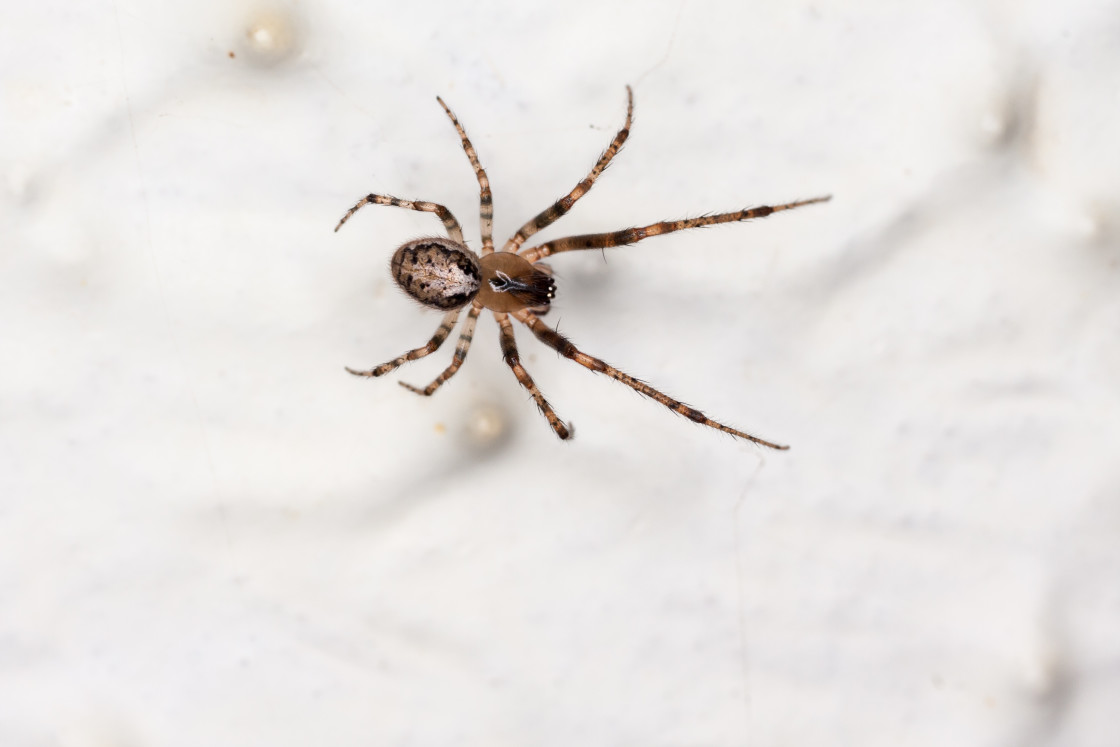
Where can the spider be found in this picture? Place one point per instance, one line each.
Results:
(442, 273)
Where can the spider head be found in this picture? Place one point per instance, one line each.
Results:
(511, 283)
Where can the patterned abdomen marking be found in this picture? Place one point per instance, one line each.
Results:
(437, 272)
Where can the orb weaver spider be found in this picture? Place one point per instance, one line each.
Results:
(442, 273)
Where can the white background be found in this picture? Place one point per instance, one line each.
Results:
(211, 534)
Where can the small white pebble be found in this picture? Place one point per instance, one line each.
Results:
(486, 424)
(272, 37)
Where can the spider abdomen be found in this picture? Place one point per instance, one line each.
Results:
(437, 272)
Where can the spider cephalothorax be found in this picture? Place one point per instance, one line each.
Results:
(444, 274)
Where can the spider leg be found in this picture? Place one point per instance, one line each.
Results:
(485, 199)
(461, 348)
(509, 352)
(564, 204)
(562, 345)
(432, 346)
(449, 222)
(634, 235)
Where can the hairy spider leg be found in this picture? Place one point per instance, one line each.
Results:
(485, 199)
(461, 348)
(449, 222)
(565, 203)
(513, 360)
(634, 235)
(432, 346)
(562, 345)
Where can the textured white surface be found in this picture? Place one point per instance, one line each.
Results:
(210, 534)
